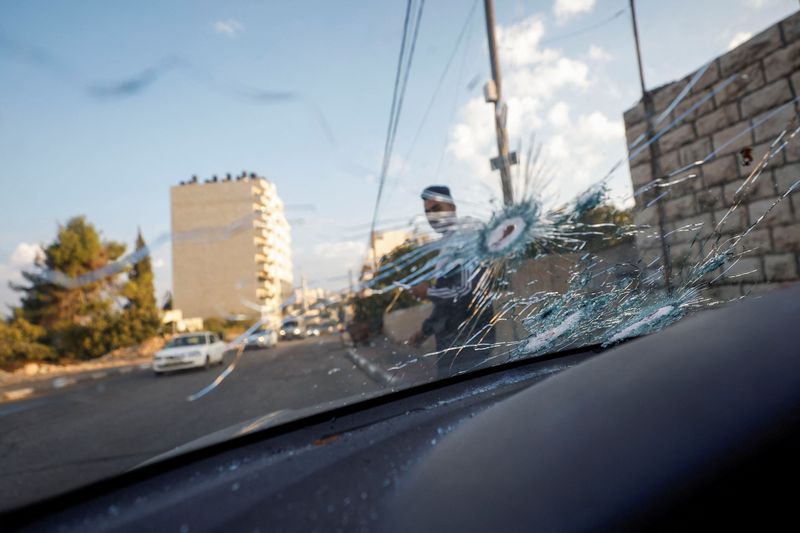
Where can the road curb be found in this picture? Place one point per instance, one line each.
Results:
(17, 394)
(22, 390)
(371, 369)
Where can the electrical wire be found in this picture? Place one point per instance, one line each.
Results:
(398, 94)
(446, 69)
(454, 104)
(586, 29)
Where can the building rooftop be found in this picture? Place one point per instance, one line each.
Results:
(244, 175)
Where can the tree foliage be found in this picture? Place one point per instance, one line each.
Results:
(607, 226)
(599, 228)
(20, 342)
(92, 318)
(227, 328)
(369, 310)
(141, 317)
(79, 322)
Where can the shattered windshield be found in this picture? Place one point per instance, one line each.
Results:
(357, 199)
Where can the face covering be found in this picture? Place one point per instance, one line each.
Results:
(441, 221)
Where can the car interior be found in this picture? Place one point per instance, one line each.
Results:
(693, 427)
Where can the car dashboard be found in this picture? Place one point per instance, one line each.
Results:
(695, 426)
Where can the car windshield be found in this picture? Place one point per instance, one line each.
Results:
(189, 340)
(390, 193)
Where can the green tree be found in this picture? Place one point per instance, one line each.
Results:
(141, 317)
(78, 312)
(369, 310)
(599, 228)
(166, 301)
(20, 343)
(606, 226)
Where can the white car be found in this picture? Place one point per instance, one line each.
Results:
(292, 328)
(262, 339)
(191, 350)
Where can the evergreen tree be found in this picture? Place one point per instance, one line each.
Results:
(608, 227)
(20, 343)
(80, 320)
(369, 310)
(166, 304)
(141, 312)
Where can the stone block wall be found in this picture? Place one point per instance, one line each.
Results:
(755, 97)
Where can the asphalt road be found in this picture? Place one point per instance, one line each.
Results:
(53, 443)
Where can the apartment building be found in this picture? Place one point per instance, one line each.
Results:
(231, 248)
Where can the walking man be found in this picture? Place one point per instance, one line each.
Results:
(451, 321)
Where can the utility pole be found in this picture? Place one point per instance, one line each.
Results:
(303, 289)
(374, 247)
(654, 151)
(493, 94)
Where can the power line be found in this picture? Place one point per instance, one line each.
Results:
(454, 105)
(398, 94)
(446, 69)
(395, 90)
(575, 33)
(586, 29)
(405, 81)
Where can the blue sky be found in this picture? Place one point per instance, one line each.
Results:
(65, 152)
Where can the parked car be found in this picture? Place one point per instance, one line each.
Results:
(329, 327)
(266, 338)
(292, 328)
(191, 350)
(313, 331)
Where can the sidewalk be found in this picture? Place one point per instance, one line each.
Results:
(36, 377)
(18, 386)
(393, 364)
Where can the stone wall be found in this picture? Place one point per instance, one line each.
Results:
(402, 324)
(765, 74)
(550, 273)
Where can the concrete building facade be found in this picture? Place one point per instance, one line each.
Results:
(231, 248)
(384, 243)
(742, 103)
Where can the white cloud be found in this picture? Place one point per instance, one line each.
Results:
(599, 54)
(159, 262)
(758, 4)
(533, 78)
(229, 28)
(738, 39)
(565, 9)
(559, 115)
(551, 95)
(527, 92)
(544, 79)
(519, 44)
(598, 126)
(21, 258)
(577, 149)
(24, 254)
(8, 296)
(474, 132)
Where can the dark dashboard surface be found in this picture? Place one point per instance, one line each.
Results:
(637, 434)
